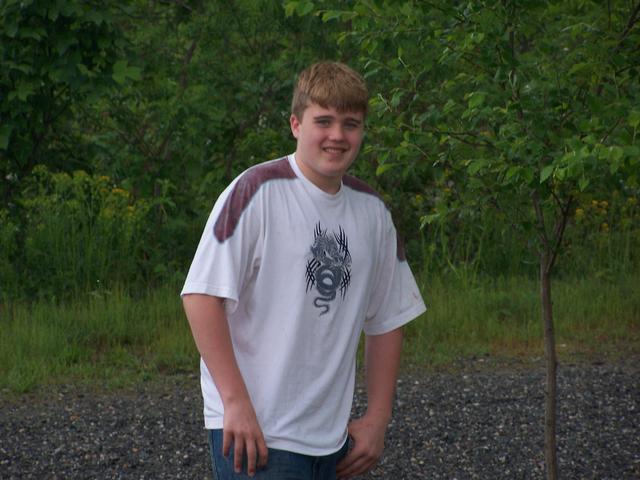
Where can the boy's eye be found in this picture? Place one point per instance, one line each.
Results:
(323, 122)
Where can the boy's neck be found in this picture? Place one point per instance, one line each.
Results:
(330, 185)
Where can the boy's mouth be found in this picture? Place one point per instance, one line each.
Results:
(334, 149)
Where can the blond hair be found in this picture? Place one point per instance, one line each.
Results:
(330, 84)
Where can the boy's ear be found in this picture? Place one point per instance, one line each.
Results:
(295, 125)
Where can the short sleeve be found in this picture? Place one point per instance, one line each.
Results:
(396, 298)
(227, 255)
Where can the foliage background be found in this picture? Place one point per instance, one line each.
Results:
(121, 122)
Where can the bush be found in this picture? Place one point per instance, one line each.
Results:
(81, 233)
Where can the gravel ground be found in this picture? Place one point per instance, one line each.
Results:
(478, 421)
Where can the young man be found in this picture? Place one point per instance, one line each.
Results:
(297, 258)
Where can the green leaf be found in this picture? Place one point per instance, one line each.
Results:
(546, 173)
(450, 105)
(122, 71)
(615, 166)
(581, 69)
(511, 172)
(561, 174)
(331, 15)
(290, 8)
(395, 99)
(529, 175)
(384, 167)
(304, 8)
(22, 92)
(22, 67)
(34, 33)
(476, 99)
(82, 68)
(583, 184)
(632, 152)
(634, 118)
(476, 165)
(429, 219)
(615, 153)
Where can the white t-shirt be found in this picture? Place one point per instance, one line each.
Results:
(303, 272)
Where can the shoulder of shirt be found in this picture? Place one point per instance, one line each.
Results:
(361, 186)
(248, 183)
(243, 189)
(254, 177)
(358, 185)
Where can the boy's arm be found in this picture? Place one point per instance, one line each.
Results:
(382, 361)
(210, 330)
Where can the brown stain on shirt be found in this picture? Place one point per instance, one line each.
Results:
(244, 190)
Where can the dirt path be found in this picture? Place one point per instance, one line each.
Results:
(470, 423)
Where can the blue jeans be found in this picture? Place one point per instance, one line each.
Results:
(281, 464)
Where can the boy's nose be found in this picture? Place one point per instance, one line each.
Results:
(336, 132)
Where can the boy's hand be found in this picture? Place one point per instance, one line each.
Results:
(367, 433)
(241, 429)
(208, 321)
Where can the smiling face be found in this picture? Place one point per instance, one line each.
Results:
(328, 143)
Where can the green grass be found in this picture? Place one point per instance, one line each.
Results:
(110, 340)
(115, 340)
(501, 317)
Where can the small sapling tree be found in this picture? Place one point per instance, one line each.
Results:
(519, 107)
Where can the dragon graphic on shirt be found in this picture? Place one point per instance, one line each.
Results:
(329, 266)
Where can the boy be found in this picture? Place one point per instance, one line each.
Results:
(296, 259)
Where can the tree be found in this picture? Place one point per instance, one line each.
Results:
(213, 100)
(215, 93)
(53, 56)
(211, 97)
(522, 107)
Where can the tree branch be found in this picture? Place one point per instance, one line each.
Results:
(185, 63)
(542, 229)
(610, 131)
(559, 229)
(461, 137)
(633, 19)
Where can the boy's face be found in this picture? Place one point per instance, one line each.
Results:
(328, 143)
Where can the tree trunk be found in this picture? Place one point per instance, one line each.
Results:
(550, 450)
